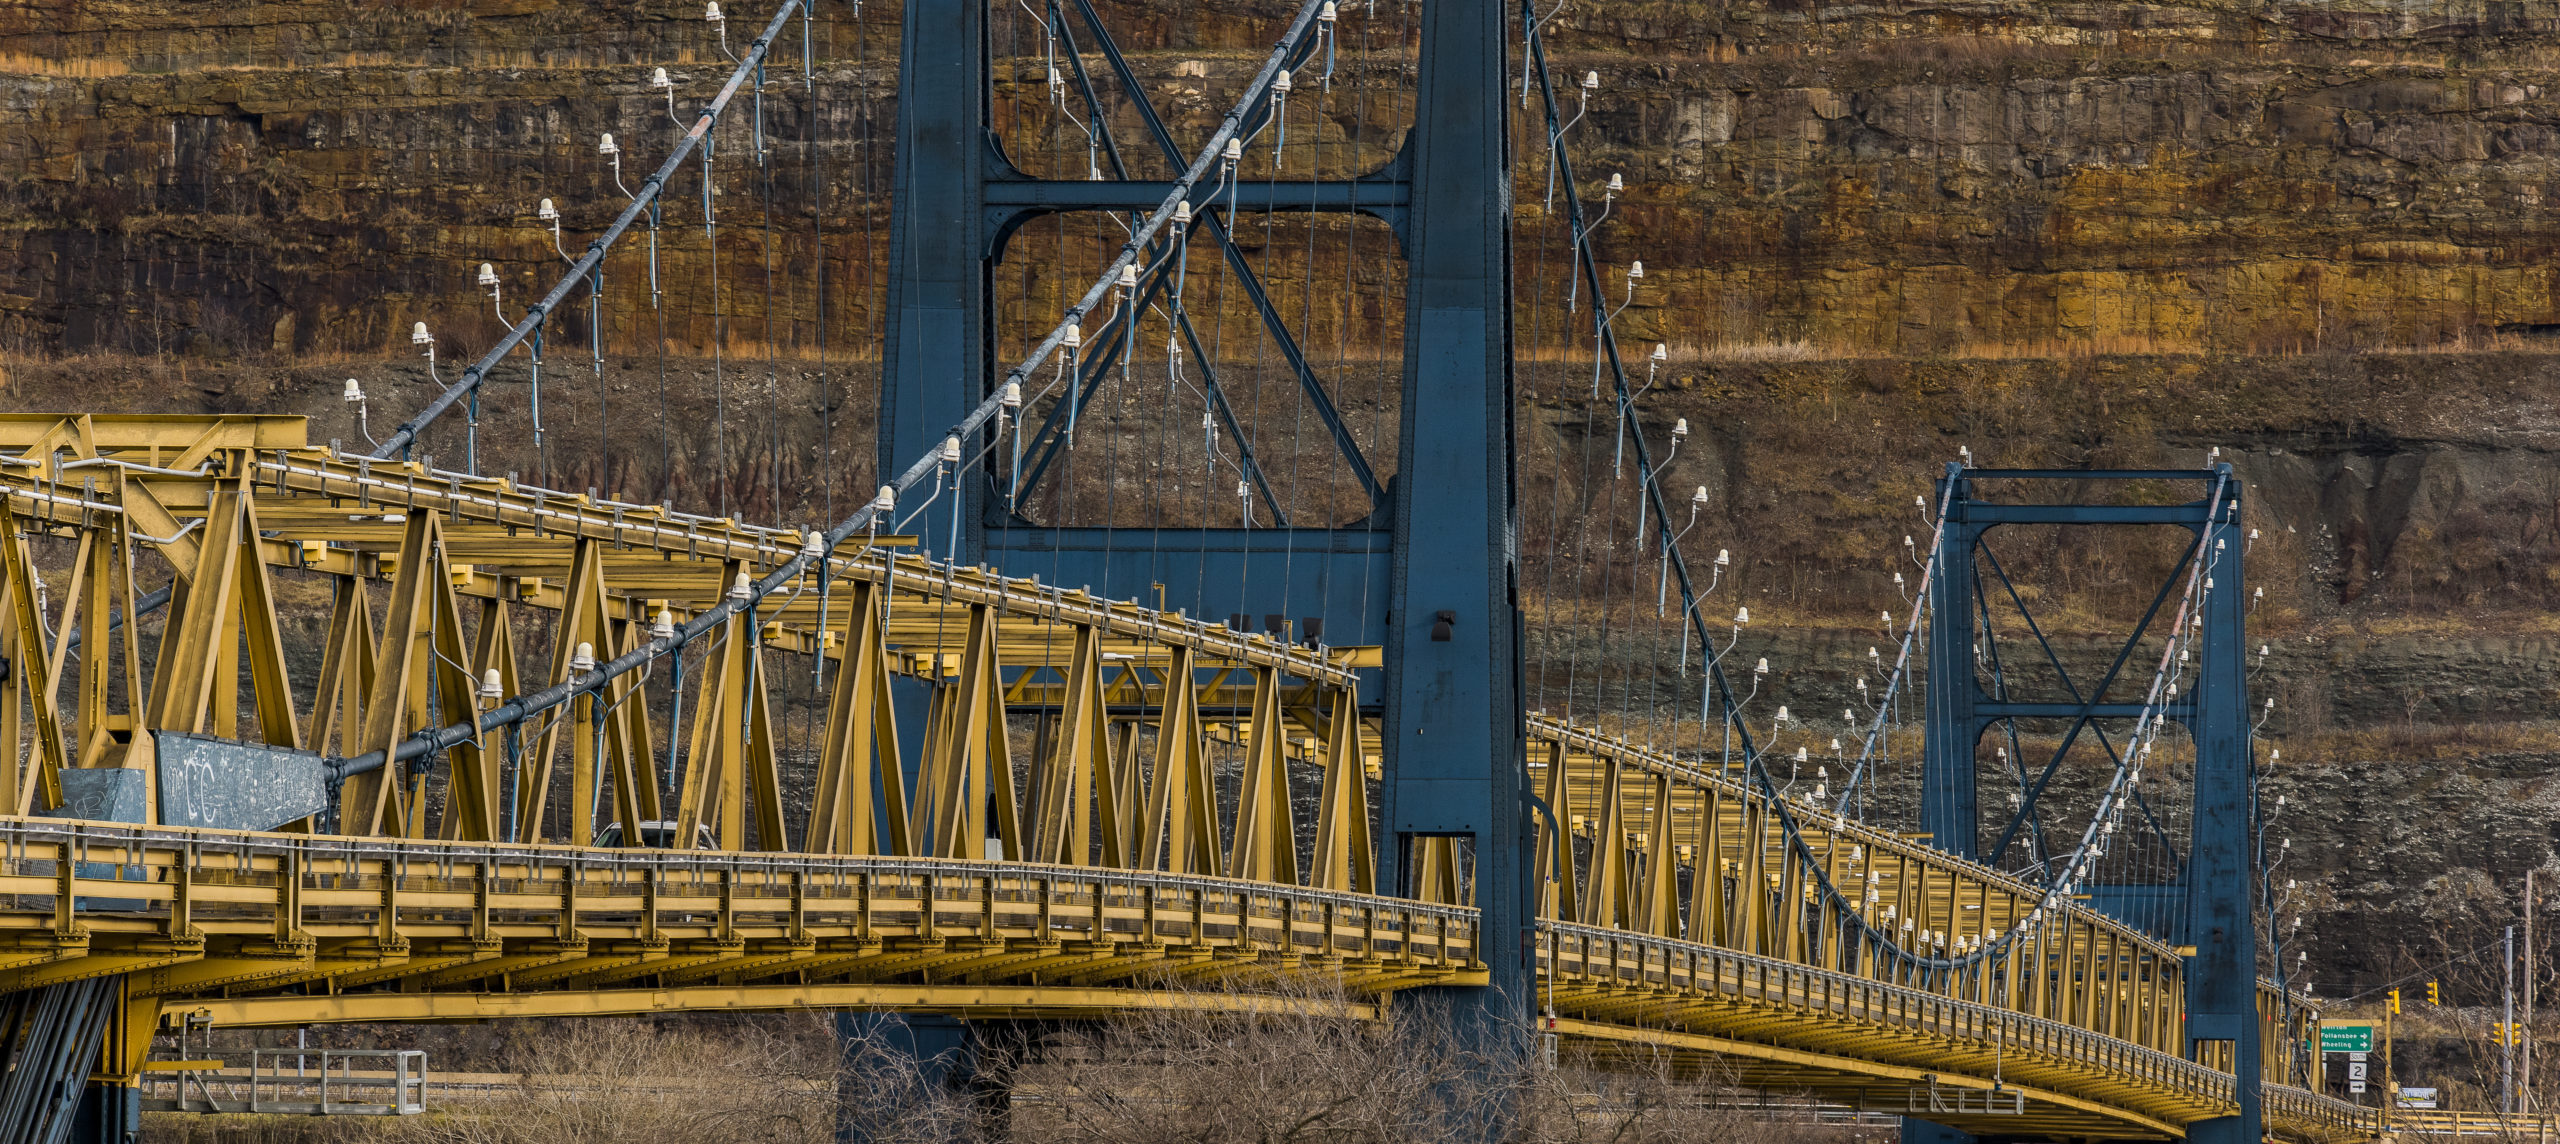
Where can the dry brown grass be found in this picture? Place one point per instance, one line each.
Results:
(2067, 349)
(1797, 350)
(633, 1082)
(1251, 1062)
(1295, 1069)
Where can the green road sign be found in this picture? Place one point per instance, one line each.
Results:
(2346, 1038)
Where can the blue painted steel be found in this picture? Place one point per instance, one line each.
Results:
(50, 1036)
(940, 335)
(2155, 910)
(2210, 904)
(1016, 198)
(1216, 226)
(934, 360)
(944, 1051)
(1949, 809)
(50, 1040)
(1918, 1131)
(1454, 705)
(1100, 361)
(1339, 575)
(2222, 995)
(108, 1113)
(105, 794)
(1989, 711)
(223, 785)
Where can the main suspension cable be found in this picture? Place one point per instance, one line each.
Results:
(817, 547)
(402, 438)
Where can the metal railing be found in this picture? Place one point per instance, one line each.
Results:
(195, 877)
(299, 1082)
(1637, 959)
(2452, 1122)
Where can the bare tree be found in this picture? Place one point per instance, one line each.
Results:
(635, 1082)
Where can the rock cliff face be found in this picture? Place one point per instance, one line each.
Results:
(2312, 234)
(1982, 178)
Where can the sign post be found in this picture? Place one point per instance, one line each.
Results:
(2345, 1047)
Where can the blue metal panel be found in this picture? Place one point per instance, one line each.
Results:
(1949, 806)
(1989, 711)
(1336, 575)
(1439, 691)
(2210, 906)
(1990, 514)
(2156, 910)
(2222, 978)
(102, 794)
(223, 785)
(105, 794)
(934, 367)
(1012, 201)
(1918, 1131)
(1454, 706)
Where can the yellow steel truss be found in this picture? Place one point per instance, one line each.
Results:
(1103, 798)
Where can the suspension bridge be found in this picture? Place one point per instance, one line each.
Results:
(1075, 738)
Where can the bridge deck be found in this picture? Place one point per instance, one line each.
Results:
(1144, 760)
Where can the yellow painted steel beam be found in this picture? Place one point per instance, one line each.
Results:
(246, 514)
(2099, 1117)
(982, 1001)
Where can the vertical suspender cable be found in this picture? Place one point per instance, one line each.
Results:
(403, 438)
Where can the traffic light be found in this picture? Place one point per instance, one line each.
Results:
(2432, 998)
(2395, 1001)
(2506, 1032)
